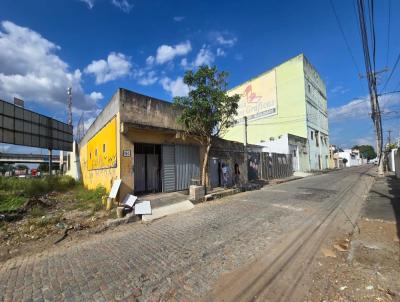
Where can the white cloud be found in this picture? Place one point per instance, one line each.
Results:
(369, 140)
(146, 78)
(90, 3)
(361, 108)
(175, 87)
(31, 70)
(116, 66)
(203, 57)
(166, 53)
(224, 38)
(150, 60)
(96, 96)
(220, 52)
(339, 90)
(179, 18)
(123, 5)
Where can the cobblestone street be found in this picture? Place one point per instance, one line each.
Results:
(179, 257)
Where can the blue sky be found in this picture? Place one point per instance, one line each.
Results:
(146, 46)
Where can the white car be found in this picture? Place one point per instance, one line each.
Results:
(374, 161)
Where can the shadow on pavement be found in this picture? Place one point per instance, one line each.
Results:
(394, 185)
(384, 201)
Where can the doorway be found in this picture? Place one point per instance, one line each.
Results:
(147, 163)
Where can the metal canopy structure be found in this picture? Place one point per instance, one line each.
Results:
(20, 126)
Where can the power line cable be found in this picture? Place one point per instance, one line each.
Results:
(391, 73)
(388, 35)
(344, 37)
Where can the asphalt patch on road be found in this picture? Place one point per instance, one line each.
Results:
(315, 194)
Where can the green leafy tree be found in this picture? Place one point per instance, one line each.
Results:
(5, 167)
(208, 110)
(366, 151)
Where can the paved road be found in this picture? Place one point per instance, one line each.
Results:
(179, 257)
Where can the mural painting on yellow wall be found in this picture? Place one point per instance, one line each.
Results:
(102, 148)
(258, 97)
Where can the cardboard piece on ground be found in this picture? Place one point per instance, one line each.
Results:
(129, 200)
(115, 188)
(143, 208)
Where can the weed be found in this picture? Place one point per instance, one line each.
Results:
(89, 199)
(37, 212)
(11, 202)
(45, 221)
(15, 191)
(34, 187)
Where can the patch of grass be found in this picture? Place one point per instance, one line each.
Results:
(46, 220)
(37, 212)
(3, 226)
(10, 202)
(15, 191)
(34, 187)
(89, 199)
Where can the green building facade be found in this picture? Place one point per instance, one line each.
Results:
(288, 99)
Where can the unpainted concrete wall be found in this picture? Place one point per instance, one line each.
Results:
(230, 153)
(140, 109)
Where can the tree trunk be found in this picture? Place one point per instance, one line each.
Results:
(204, 175)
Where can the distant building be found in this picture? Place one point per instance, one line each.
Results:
(335, 160)
(352, 156)
(291, 144)
(289, 99)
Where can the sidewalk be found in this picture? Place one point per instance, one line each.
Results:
(365, 266)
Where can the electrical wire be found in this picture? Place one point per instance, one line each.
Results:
(392, 72)
(388, 35)
(344, 37)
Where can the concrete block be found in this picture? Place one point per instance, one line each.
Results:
(196, 192)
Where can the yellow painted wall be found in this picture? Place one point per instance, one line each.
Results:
(102, 148)
(103, 171)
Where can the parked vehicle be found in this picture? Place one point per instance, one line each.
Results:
(374, 161)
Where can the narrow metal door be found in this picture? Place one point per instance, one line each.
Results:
(295, 157)
(152, 172)
(214, 172)
(168, 168)
(140, 172)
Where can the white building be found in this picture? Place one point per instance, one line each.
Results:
(353, 157)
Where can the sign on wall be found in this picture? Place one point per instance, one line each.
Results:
(258, 97)
(20, 126)
(102, 148)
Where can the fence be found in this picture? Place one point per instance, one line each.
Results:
(262, 165)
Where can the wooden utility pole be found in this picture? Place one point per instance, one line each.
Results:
(369, 60)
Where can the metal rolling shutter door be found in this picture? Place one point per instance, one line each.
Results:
(187, 165)
(168, 168)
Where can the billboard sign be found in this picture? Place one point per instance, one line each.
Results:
(18, 102)
(258, 97)
(20, 126)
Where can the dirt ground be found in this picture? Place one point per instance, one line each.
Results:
(48, 219)
(364, 266)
